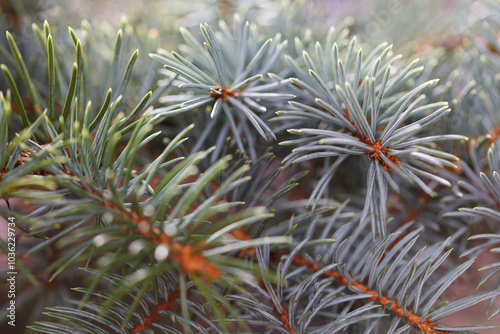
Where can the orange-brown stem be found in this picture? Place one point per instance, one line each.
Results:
(20, 160)
(190, 261)
(377, 150)
(424, 326)
(155, 314)
(494, 134)
(224, 93)
(283, 316)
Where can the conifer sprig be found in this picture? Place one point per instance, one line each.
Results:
(230, 76)
(361, 115)
(154, 200)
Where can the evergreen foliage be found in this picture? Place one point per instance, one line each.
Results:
(265, 176)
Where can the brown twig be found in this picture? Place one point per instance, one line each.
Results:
(155, 314)
(424, 326)
(377, 150)
(190, 261)
(282, 316)
(224, 93)
(494, 135)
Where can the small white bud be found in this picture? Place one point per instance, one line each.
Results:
(136, 276)
(136, 246)
(100, 240)
(161, 252)
(170, 229)
(193, 170)
(104, 260)
(107, 217)
(107, 193)
(149, 210)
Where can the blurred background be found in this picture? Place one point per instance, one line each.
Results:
(397, 21)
